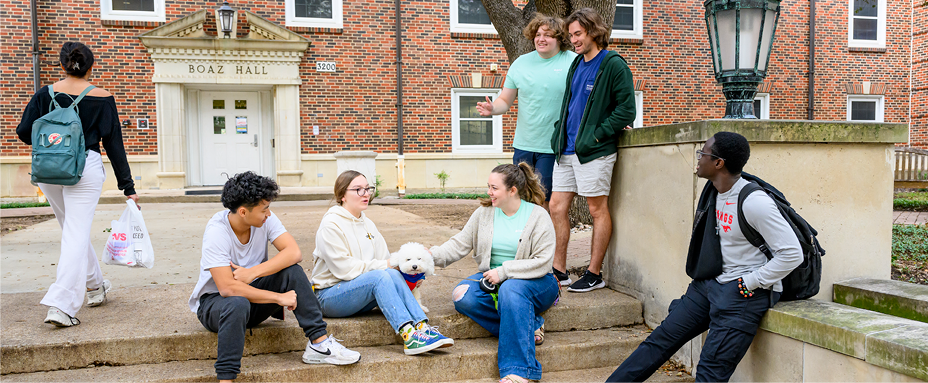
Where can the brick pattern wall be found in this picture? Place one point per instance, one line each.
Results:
(355, 106)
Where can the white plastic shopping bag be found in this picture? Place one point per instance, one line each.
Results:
(129, 243)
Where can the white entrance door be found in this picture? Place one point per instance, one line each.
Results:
(230, 135)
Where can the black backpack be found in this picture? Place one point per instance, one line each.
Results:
(803, 282)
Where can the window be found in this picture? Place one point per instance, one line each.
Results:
(867, 23)
(865, 108)
(762, 106)
(132, 10)
(314, 13)
(470, 16)
(627, 23)
(471, 132)
(639, 107)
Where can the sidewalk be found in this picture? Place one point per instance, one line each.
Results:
(910, 217)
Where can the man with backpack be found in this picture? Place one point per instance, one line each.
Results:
(734, 283)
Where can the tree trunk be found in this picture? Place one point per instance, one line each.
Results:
(579, 212)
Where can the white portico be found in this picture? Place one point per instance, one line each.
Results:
(226, 105)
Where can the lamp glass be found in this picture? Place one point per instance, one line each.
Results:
(766, 39)
(226, 22)
(750, 37)
(726, 29)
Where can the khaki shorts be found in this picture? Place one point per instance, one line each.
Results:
(592, 179)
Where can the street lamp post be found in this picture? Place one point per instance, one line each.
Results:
(225, 18)
(741, 38)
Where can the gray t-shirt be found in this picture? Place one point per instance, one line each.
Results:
(221, 246)
(742, 259)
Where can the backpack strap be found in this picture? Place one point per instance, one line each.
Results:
(74, 101)
(84, 93)
(54, 104)
(749, 233)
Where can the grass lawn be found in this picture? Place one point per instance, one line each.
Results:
(910, 253)
(911, 201)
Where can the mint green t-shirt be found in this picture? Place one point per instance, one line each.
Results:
(506, 233)
(541, 83)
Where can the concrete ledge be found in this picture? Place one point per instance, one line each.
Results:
(893, 343)
(896, 298)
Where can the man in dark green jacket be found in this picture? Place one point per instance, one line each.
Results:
(598, 104)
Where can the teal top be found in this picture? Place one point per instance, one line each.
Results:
(506, 233)
(541, 83)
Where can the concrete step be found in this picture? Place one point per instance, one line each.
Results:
(468, 359)
(896, 298)
(595, 375)
(152, 324)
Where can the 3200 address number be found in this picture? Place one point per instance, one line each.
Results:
(325, 66)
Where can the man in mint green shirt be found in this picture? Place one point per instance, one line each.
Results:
(539, 78)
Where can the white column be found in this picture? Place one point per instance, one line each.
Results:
(169, 101)
(287, 132)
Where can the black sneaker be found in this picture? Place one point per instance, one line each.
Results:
(562, 278)
(588, 282)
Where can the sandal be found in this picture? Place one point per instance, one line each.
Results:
(540, 335)
(511, 378)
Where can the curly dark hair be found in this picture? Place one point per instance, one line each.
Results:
(248, 189)
(734, 148)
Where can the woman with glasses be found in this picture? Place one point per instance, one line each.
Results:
(352, 272)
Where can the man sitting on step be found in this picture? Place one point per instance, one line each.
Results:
(240, 287)
(733, 283)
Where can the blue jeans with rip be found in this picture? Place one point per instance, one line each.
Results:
(521, 302)
(376, 288)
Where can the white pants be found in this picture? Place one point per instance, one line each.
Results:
(74, 206)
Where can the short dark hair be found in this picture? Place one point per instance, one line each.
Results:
(592, 22)
(248, 189)
(76, 58)
(734, 148)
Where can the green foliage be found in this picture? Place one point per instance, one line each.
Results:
(914, 201)
(910, 242)
(377, 183)
(442, 178)
(16, 205)
(446, 196)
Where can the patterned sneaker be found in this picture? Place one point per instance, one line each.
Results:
(331, 352)
(562, 278)
(432, 331)
(416, 342)
(59, 318)
(588, 282)
(97, 296)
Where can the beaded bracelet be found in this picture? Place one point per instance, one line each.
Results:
(743, 290)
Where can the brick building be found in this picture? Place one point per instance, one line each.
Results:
(299, 80)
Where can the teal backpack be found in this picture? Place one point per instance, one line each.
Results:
(58, 153)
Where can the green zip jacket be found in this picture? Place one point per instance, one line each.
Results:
(610, 108)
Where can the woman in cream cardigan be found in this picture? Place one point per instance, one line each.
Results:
(352, 272)
(513, 240)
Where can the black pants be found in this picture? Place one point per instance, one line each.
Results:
(230, 316)
(731, 319)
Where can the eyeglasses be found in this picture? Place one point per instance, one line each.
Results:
(362, 191)
(700, 153)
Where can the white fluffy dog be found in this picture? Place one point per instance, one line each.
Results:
(415, 262)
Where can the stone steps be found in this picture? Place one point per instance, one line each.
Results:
(469, 359)
(152, 325)
(593, 375)
(896, 298)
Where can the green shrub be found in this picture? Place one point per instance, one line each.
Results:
(16, 205)
(910, 242)
(442, 178)
(446, 196)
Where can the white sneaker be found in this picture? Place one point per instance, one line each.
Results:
(97, 296)
(60, 319)
(331, 352)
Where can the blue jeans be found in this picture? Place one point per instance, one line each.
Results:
(731, 319)
(543, 164)
(376, 288)
(521, 302)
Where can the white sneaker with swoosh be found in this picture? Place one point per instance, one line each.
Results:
(331, 352)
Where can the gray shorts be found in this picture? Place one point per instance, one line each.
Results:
(591, 179)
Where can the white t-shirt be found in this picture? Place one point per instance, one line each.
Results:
(221, 246)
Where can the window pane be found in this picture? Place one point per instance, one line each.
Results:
(468, 106)
(866, 8)
(624, 18)
(320, 9)
(219, 125)
(219, 104)
(626, 2)
(241, 104)
(757, 111)
(865, 29)
(134, 5)
(472, 12)
(863, 110)
(477, 132)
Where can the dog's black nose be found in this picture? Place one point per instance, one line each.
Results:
(415, 267)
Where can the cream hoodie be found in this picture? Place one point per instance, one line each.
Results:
(346, 247)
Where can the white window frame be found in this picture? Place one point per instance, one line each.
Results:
(639, 109)
(456, 146)
(862, 97)
(336, 21)
(764, 105)
(880, 41)
(107, 13)
(466, 27)
(638, 31)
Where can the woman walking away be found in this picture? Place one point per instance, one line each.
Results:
(79, 272)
